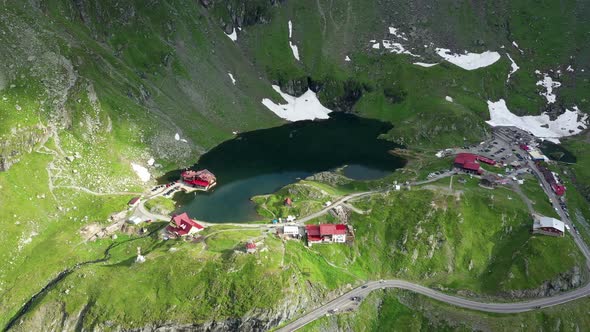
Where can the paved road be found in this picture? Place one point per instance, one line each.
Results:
(555, 201)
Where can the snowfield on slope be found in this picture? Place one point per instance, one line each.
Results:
(469, 61)
(306, 107)
(541, 126)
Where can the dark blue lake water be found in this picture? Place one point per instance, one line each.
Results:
(263, 161)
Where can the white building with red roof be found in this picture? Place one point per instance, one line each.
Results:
(326, 233)
(548, 226)
(183, 225)
(199, 179)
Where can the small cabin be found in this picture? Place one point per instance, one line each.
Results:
(250, 247)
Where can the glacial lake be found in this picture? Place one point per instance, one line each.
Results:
(262, 161)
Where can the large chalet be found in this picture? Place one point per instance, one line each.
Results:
(326, 233)
(183, 225)
(548, 226)
(203, 179)
(469, 162)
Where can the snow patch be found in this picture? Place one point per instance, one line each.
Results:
(177, 137)
(233, 35)
(518, 48)
(449, 99)
(347, 59)
(376, 46)
(142, 172)
(541, 126)
(293, 46)
(306, 107)
(151, 161)
(233, 80)
(570, 69)
(469, 61)
(394, 31)
(295, 50)
(549, 84)
(395, 47)
(514, 67)
(422, 64)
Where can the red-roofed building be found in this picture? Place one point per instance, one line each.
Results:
(326, 233)
(203, 178)
(250, 247)
(486, 160)
(469, 162)
(183, 225)
(288, 201)
(551, 178)
(133, 202)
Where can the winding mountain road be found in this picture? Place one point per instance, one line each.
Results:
(345, 301)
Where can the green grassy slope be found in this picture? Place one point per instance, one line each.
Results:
(471, 239)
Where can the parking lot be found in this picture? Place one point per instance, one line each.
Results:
(503, 147)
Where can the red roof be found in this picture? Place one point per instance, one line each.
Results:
(316, 232)
(341, 229)
(470, 165)
(183, 224)
(469, 161)
(206, 175)
(327, 229)
(250, 245)
(133, 200)
(288, 201)
(558, 189)
(201, 178)
(312, 230)
(486, 160)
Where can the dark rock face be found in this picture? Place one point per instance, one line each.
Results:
(242, 12)
(564, 282)
(19, 142)
(335, 94)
